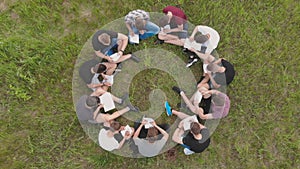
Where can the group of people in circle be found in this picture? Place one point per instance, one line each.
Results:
(146, 137)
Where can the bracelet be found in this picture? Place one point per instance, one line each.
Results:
(122, 51)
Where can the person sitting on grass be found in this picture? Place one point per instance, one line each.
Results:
(93, 102)
(105, 43)
(107, 71)
(111, 138)
(217, 104)
(218, 76)
(174, 26)
(196, 140)
(150, 145)
(207, 37)
(138, 22)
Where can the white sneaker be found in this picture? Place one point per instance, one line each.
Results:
(188, 151)
(192, 62)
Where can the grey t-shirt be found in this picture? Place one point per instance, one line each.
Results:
(149, 149)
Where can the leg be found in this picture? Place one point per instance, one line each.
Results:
(151, 30)
(178, 42)
(116, 99)
(180, 114)
(188, 102)
(177, 136)
(116, 114)
(123, 58)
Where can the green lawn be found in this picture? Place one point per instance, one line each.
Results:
(39, 44)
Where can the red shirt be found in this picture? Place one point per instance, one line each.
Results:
(181, 17)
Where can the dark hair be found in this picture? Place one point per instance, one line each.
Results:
(115, 126)
(199, 38)
(218, 100)
(139, 23)
(99, 68)
(92, 101)
(195, 128)
(163, 21)
(152, 134)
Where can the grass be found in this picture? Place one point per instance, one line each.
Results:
(39, 44)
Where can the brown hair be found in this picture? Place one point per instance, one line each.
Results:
(139, 23)
(163, 21)
(199, 38)
(195, 128)
(115, 126)
(152, 134)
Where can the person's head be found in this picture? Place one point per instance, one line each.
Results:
(199, 38)
(152, 134)
(115, 126)
(99, 68)
(195, 128)
(104, 38)
(92, 101)
(218, 100)
(213, 67)
(163, 21)
(139, 23)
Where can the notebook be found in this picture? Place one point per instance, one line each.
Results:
(127, 128)
(115, 56)
(107, 101)
(188, 44)
(134, 38)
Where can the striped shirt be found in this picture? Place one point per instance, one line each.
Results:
(131, 16)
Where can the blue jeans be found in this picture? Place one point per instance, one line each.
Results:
(151, 30)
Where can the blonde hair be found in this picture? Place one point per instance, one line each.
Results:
(104, 38)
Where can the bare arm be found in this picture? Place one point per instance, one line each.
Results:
(96, 111)
(124, 40)
(204, 116)
(101, 55)
(207, 58)
(214, 83)
(129, 28)
(137, 132)
(194, 33)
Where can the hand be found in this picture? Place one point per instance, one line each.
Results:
(127, 135)
(153, 123)
(191, 38)
(131, 33)
(144, 122)
(90, 85)
(120, 53)
(109, 59)
(142, 32)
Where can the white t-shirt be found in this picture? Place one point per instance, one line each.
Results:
(107, 143)
(214, 39)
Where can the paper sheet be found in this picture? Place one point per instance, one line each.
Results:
(107, 101)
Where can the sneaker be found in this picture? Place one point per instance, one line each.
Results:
(158, 41)
(136, 59)
(133, 108)
(124, 97)
(168, 108)
(176, 89)
(188, 151)
(192, 62)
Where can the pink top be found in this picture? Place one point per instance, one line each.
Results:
(181, 17)
(221, 111)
